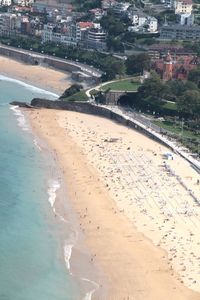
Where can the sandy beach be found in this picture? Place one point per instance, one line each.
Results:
(39, 76)
(136, 210)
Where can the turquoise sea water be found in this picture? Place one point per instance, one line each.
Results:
(30, 249)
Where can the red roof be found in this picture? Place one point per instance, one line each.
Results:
(86, 24)
(186, 63)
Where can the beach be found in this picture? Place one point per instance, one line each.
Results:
(136, 210)
(39, 76)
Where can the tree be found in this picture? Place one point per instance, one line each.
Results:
(194, 76)
(153, 90)
(136, 64)
(114, 44)
(111, 24)
(176, 88)
(73, 89)
(100, 97)
(112, 68)
(189, 103)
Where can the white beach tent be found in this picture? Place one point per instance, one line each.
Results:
(168, 155)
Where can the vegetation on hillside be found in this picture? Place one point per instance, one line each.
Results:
(178, 102)
(73, 89)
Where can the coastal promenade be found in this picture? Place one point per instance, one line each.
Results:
(148, 127)
(42, 58)
(153, 130)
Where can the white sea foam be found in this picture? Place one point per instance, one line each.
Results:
(53, 186)
(21, 120)
(37, 144)
(29, 86)
(61, 217)
(67, 254)
(89, 294)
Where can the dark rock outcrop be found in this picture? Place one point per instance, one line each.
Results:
(21, 104)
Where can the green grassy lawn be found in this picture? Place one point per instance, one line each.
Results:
(93, 92)
(80, 96)
(124, 85)
(176, 128)
(189, 138)
(170, 105)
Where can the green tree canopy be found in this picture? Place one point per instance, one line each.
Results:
(189, 103)
(153, 90)
(137, 63)
(111, 24)
(73, 89)
(194, 76)
(115, 44)
(176, 88)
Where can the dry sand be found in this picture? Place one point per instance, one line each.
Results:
(39, 76)
(131, 205)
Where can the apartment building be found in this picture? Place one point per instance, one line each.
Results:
(96, 38)
(180, 32)
(5, 2)
(183, 7)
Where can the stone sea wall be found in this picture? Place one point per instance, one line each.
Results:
(88, 108)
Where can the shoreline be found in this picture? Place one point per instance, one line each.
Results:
(105, 224)
(41, 77)
(73, 253)
(168, 285)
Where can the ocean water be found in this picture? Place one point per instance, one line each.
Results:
(32, 264)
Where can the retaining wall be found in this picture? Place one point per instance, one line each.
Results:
(88, 108)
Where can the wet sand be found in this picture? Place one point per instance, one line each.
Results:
(135, 209)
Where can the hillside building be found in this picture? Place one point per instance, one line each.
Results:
(183, 6)
(173, 67)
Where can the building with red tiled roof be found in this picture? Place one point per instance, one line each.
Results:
(173, 67)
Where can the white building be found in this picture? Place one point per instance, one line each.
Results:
(107, 4)
(153, 24)
(144, 23)
(96, 38)
(5, 2)
(50, 35)
(23, 2)
(186, 19)
(142, 20)
(81, 29)
(137, 17)
(9, 24)
(183, 7)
